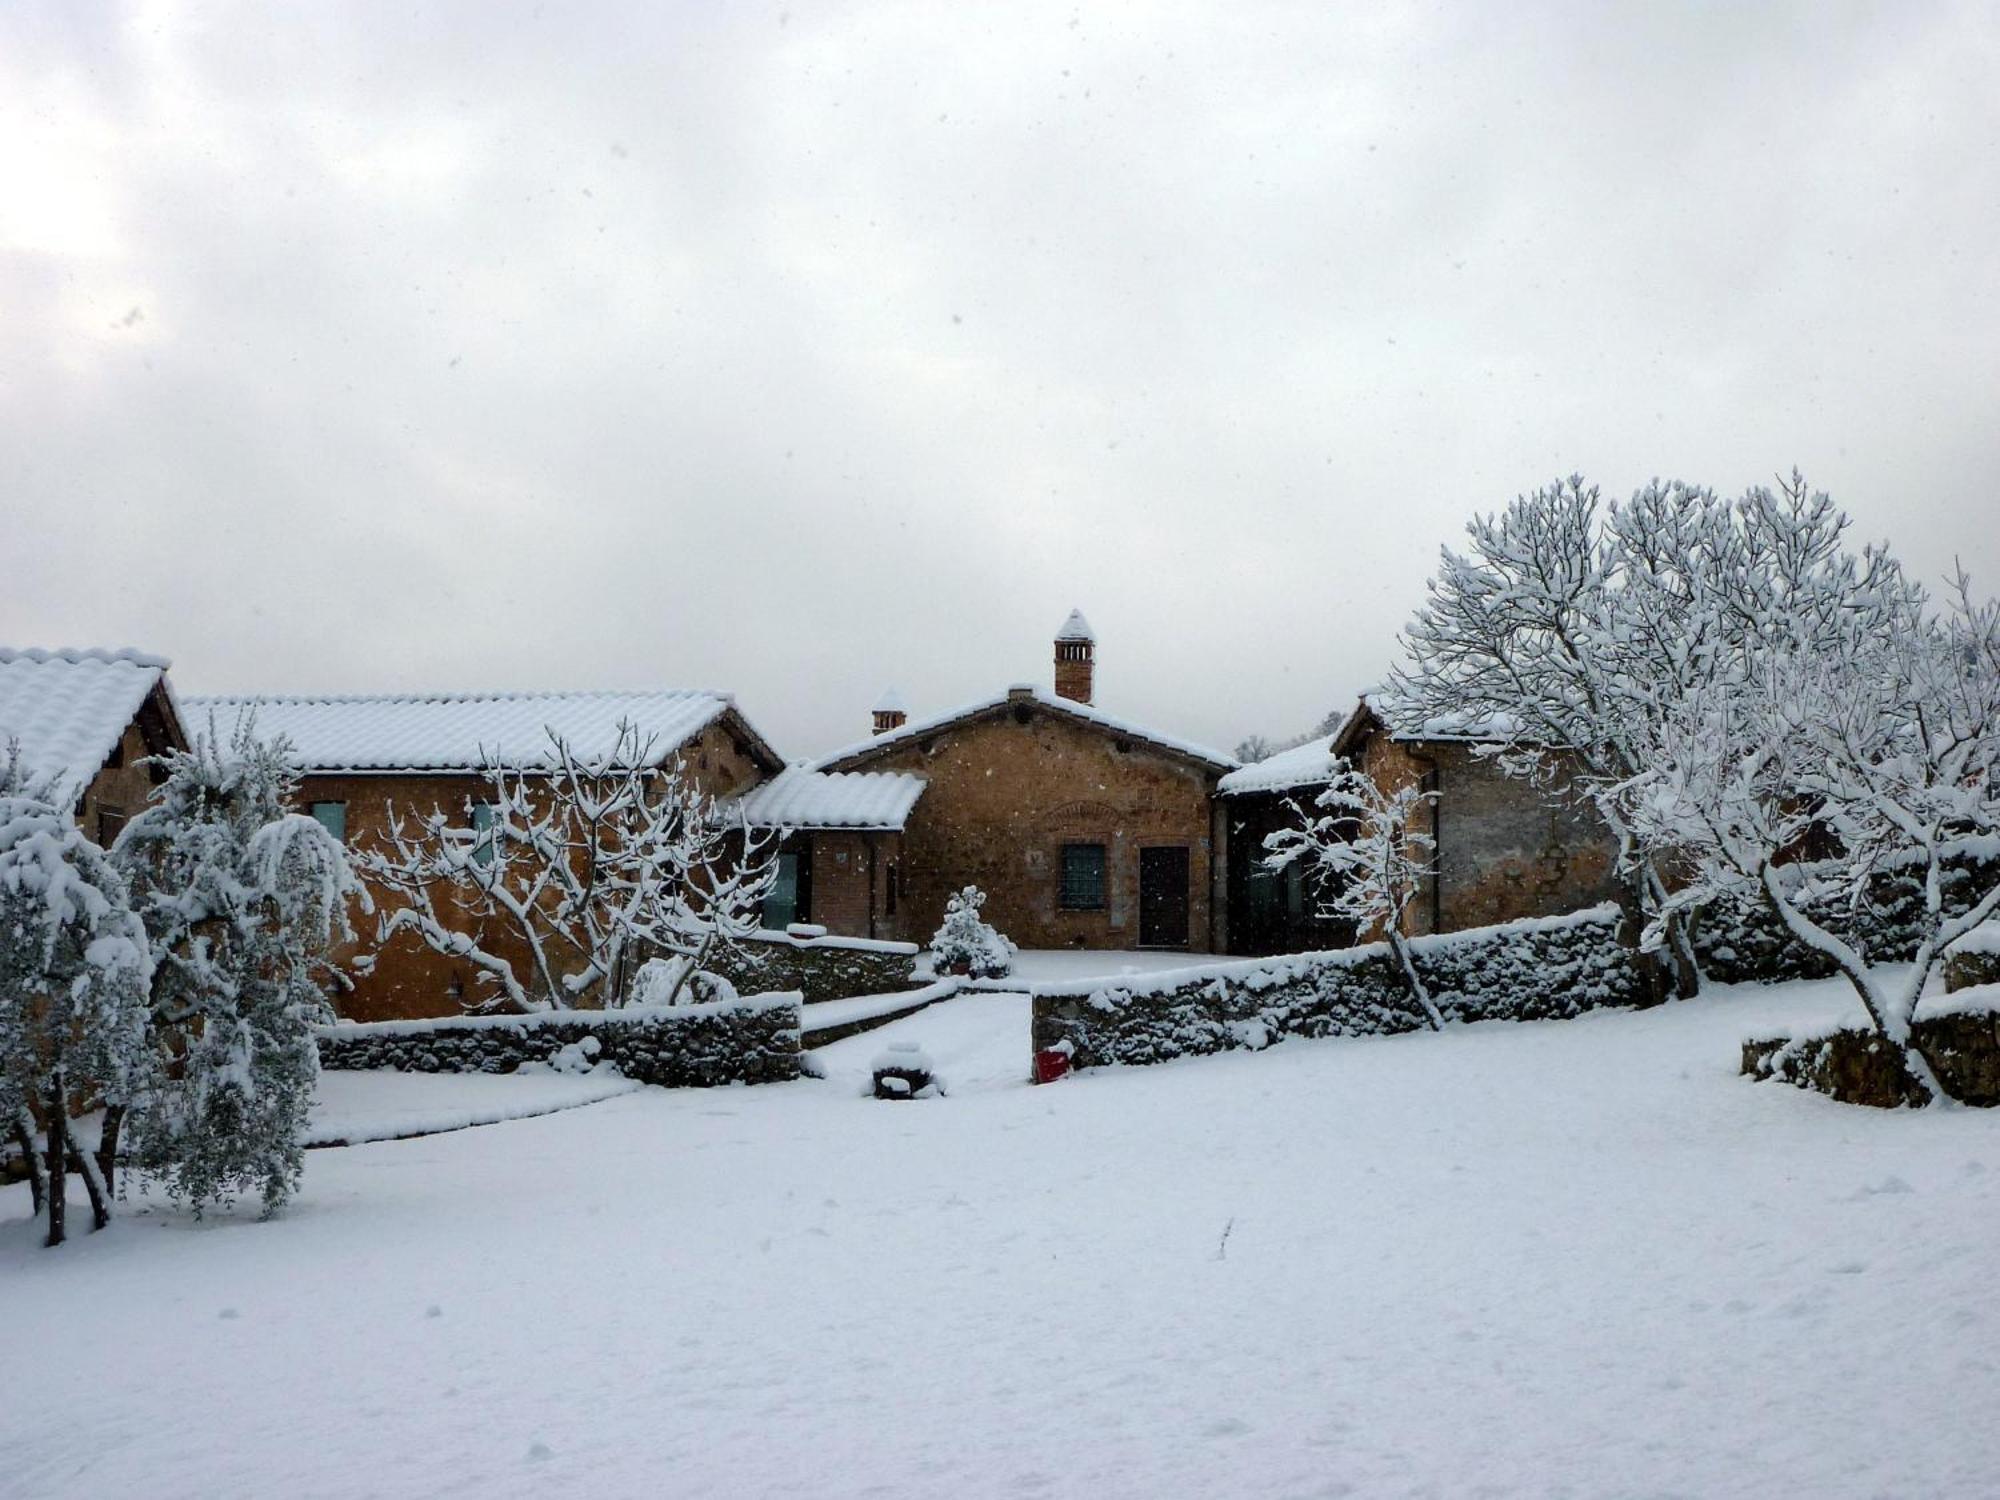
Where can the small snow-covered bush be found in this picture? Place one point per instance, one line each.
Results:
(964, 944)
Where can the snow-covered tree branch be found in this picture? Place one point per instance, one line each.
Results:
(1370, 856)
(1860, 720)
(569, 875)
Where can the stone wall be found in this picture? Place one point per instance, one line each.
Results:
(1740, 941)
(1958, 1035)
(1974, 959)
(824, 968)
(753, 1040)
(1531, 970)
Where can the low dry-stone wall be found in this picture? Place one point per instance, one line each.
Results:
(1742, 941)
(751, 1040)
(1959, 1036)
(820, 968)
(1545, 968)
(1974, 959)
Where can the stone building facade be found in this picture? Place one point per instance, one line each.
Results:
(1503, 848)
(368, 759)
(1083, 830)
(92, 720)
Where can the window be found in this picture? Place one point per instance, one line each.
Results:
(332, 816)
(1082, 887)
(785, 904)
(892, 891)
(484, 838)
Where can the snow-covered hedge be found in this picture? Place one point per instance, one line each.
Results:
(1531, 970)
(751, 1040)
(820, 968)
(1738, 941)
(1958, 1034)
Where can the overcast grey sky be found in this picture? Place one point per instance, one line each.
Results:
(798, 349)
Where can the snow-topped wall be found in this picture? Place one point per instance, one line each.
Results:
(820, 968)
(1742, 941)
(1543, 968)
(751, 1040)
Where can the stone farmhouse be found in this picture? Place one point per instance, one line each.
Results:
(1083, 829)
(91, 720)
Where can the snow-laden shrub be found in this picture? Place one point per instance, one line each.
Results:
(74, 970)
(242, 901)
(966, 945)
(675, 981)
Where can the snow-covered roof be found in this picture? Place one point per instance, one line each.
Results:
(1402, 723)
(462, 731)
(891, 702)
(800, 797)
(68, 708)
(1076, 628)
(1025, 692)
(1310, 764)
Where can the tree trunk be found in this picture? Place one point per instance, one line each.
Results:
(93, 1182)
(107, 1147)
(24, 1137)
(1680, 956)
(58, 1108)
(1400, 946)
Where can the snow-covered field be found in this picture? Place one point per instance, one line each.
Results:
(353, 1107)
(1574, 1258)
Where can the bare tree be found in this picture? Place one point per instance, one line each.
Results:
(1370, 856)
(1858, 719)
(588, 866)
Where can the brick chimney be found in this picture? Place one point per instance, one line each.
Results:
(1076, 659)
(890, 712)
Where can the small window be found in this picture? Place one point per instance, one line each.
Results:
(891, 892)
(1082, 887)
(782, 906)
(332, 816)
(483, 835)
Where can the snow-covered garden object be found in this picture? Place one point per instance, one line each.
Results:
(1858, 722)
(670, 981)
(754, 1039)
(1548, 967)
(903, 1071)
(74, 972)
(1368, 858)
(966, 945)
(242, 902)
(590, 863)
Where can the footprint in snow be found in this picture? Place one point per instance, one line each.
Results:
(1890, 1184)
(1848, 1268)
(433, 1311)
(1227, 1427)
(228, 1313)
(537, 1452)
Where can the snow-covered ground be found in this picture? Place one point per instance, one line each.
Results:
(1572, 1258)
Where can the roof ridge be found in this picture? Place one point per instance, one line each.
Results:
(1089, 712)
(520, 695)
(127, 655)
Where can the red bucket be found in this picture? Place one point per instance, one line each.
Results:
(1051, 1063)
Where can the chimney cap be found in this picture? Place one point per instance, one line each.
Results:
(891, 702)
(1076, 628)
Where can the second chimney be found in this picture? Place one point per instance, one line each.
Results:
(1076, 659)
(890, 712)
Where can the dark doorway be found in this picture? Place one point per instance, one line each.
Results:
(1163, 898)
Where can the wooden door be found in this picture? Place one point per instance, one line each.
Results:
(1163, 898)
